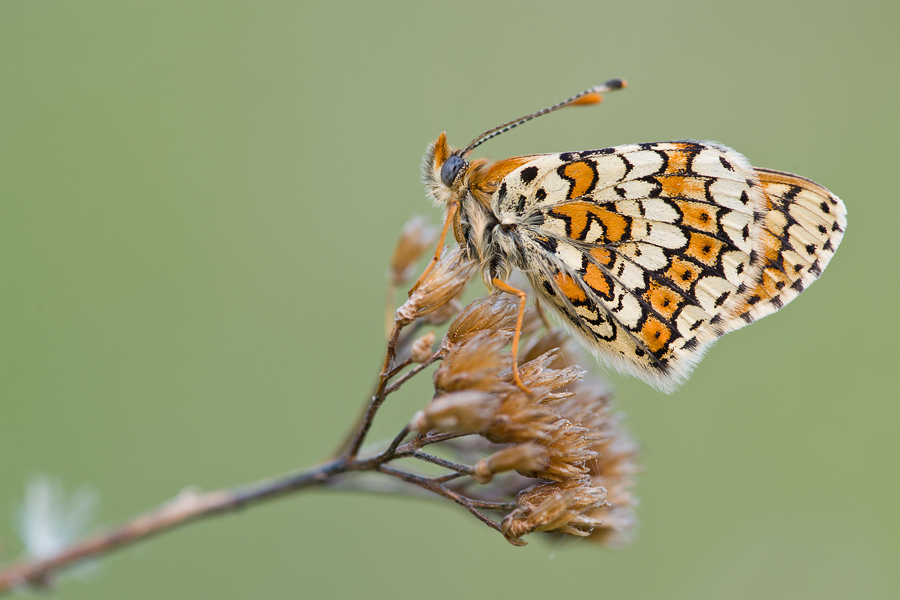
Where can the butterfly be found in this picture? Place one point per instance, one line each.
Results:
(647, 252)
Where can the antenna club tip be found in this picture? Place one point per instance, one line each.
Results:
(616, 84)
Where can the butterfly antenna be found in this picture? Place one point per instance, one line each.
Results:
(589, 96)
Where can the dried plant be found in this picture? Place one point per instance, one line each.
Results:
(555, 459)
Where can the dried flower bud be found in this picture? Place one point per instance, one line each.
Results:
(616, 468)
(520, 457)
(536, 375)
(568, 450)
(590, 407)
(520, 418)
(616, 465)
(496, 312)
(415, 238)
(459, 412)
(447, 311)
(420, 351)
(554, 507)
(441, 284)
(477, 364)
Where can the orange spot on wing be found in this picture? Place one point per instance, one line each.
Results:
(615, 226)
(569, 288)
(698, 216)
(704, 248)
(663, 300)
(582, 177)
(771, 247)
(678, 159)
(770, 280)
(682, 273)
(598, 281)
(486, 176)
(674, 186)
(603, 256)
(654, 334)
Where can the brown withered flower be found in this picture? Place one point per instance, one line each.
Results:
(415, 239)
(448, 277)
(469, 411)
(554, 458)
(420, 350)
(476, 364)
(496, 312)
(568, 452)
(554, 507)
(527, 457)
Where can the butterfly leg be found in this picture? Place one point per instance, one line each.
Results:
(451, 212)
(523, 297)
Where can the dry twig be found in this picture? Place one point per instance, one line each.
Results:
(537, 459)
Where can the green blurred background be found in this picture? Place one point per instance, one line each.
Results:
(198, 205)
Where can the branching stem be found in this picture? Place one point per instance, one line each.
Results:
(192, 505)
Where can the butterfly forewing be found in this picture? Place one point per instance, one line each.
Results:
(643, 249)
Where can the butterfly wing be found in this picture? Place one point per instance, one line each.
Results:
(800, 232)
(649, 252)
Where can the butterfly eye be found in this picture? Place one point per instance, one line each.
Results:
(450, 169)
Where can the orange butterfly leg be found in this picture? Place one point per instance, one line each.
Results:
(523, 297)
(451, 212)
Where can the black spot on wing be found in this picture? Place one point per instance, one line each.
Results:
(520, 206)
(528, 174)
(721, 299)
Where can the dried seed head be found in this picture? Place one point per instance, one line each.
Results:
(443, 282)
(458, 412)
(554, 507)
(415, 238)
(535, 374)
(420, 351)
(496, 312)
(616, 468)
(616, 465)
(447, 311)
(520, 457)
(590, 407)
(568, 451)
(476, 364)
(520, 418)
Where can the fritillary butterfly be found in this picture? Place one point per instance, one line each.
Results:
(647, 252)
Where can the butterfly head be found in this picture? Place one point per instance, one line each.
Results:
(445, 171)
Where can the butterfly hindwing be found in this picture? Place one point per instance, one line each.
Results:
(800, 232)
